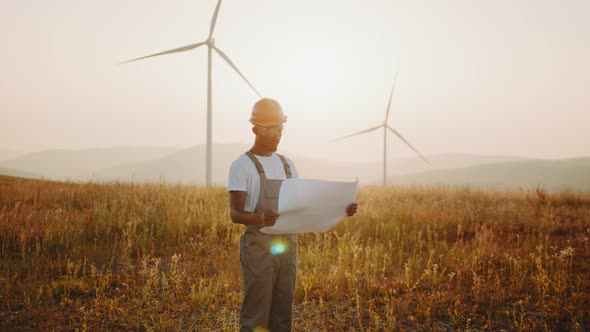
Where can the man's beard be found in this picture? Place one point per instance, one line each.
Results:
(271, 146)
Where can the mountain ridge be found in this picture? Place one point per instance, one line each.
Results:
(187, 165)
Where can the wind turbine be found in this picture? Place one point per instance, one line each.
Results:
(386, 127)
(210, 42)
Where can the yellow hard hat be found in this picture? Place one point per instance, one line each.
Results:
(267, 113)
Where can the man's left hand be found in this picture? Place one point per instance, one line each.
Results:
(351, 209)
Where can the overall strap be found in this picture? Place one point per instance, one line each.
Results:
(258, 165)
(285, 165)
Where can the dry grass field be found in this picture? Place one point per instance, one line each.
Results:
(165, 258)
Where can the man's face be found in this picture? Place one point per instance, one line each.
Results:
(270, 137)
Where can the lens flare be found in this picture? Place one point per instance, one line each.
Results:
(278, 247)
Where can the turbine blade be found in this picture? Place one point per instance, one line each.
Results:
(176, 50)
(214, 19)
(358, 133)
(390, 97)
(408, 143)
(231, 64)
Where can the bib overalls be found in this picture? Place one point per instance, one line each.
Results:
(269, 265)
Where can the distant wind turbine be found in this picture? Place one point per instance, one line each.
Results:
(210, 42)
(386, 127)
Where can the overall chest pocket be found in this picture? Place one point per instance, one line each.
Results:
(272, 189)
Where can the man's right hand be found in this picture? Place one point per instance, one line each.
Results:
(269, 218)
(237, 201)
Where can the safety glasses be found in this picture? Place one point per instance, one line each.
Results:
(274, 131)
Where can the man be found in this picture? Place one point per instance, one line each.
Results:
(269, 262)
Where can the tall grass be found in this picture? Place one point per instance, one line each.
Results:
(163, 257)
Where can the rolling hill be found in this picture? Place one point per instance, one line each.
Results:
(548, 174)
(19, 174)
(8, 154)
(79, 164)
(187, 166)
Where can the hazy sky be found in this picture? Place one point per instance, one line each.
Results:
(485, 77)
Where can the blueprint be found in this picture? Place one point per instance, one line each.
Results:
(311, 205)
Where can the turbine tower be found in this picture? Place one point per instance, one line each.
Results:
(210, 42)
(386, 127)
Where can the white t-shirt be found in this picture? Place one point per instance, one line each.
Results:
(243, 176)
